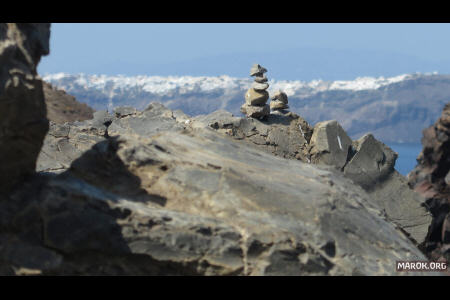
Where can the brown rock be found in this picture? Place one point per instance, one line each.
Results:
(261, 79)
(253, 97)
(62, 107)
(258, 112)
(280, 96)
(276, 105)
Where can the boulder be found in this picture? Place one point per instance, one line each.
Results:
(280, 96)
(260, 86)
(430, 179)
(256, 98)
(330, 144)
(278, 105)
(372, 162)
(261, 79)
(253, 111)
(257, 70)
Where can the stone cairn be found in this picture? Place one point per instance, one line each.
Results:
(256, 97)
(279, 101)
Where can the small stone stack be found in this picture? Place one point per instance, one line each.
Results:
(256, 97)
(279, 101)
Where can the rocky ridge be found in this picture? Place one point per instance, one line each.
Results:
(262, 220)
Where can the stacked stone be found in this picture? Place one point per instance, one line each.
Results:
(256, 97)
(279, 101)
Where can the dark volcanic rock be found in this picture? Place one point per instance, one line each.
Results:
(429, 178)
(23, 122)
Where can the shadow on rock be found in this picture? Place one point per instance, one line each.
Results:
(100, 166)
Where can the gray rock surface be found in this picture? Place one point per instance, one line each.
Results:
(256, 98)
(282, 135)
(257, 70)
(260, 86)
(368, 162)
(372, 162)
(64, 143)
(253, 111)
(278, 105)
(155, 192)
(261, 79)
(23, 121)
(330, 144)
(200, 203)
(280, 96)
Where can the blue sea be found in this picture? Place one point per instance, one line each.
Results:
(407, 154)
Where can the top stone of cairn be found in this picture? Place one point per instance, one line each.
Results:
(257, 70)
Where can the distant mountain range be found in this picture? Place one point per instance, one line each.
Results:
(395, 109)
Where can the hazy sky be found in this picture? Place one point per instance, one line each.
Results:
(117, 47)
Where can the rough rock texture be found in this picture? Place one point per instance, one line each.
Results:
(278, 105)
(195, 202)
(261, 79)
(254, 97)
(373, 159)
(429, 179)
(253, 111)
(257, 70)
(23, 122)
(155, 192)
(66, 142)
(368, 162)
(62, 107)
(257, 86)
(330, 144)
(282, 135)
(280, 96)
